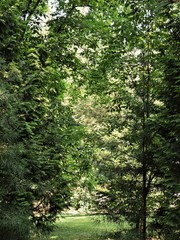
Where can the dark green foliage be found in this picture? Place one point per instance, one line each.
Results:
(167, 223)
(14, 207)
(40, 164)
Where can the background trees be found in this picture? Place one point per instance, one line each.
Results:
(131, 68)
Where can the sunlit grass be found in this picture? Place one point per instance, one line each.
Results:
(83, 228)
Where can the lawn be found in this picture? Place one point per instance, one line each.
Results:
(83, 228)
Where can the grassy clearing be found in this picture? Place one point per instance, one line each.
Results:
(91, 227)
(83, 228)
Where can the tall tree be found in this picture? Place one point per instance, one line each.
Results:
(130, 71)
(166, 216)
(41, 144)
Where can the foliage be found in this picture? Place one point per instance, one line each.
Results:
(40, 161)
(167, 223)
(134, 173)
(120, 60)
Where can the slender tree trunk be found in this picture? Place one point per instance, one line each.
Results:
(144, 175)
(146, 142)
(144, 196)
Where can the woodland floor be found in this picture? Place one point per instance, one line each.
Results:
(83, 227)
(91, 227)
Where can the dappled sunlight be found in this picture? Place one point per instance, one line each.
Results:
(54, 237)
(84, 227)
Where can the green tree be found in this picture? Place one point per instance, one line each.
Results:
(130, 71)
(166, 216)
(42, 151)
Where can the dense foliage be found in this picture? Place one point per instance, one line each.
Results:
(76, 75)
(40, 163)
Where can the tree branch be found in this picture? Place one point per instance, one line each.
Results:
(34, 8)
(67, 15)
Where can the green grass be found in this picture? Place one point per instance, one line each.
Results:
(83, 228)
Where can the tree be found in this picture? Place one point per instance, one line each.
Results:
(129, 73)
(42, 151)
(168, 212)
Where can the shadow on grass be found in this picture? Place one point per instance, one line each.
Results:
(124, 235)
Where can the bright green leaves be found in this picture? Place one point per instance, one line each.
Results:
(129, 68)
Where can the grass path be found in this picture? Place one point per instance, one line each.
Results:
(82, 228)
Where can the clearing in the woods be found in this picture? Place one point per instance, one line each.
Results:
(86, 227)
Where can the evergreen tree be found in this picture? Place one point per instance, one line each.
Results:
(167, 215)
(42, 151)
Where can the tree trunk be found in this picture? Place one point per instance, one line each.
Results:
(144, 209)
